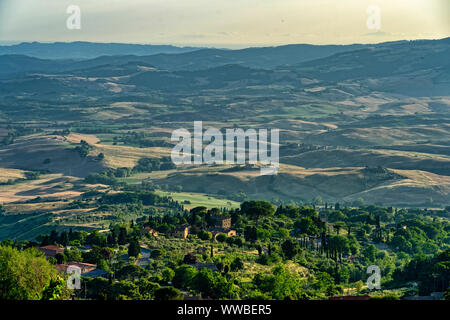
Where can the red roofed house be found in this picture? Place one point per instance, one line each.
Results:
(85, 267)
(51, 250)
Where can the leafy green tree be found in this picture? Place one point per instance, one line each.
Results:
(237, 264)
(224, 288)
(83, 149)
(53, 237)
(134, 248)
(359, 285)
(306, 211)
(257, 209)
(263, 234)
(64, 238)
(282, 284)
(56, 290)
(111, 239)
(24, 274)
(147, 288)
(203, 282)
(369, 253)
(239, 241)
(324, 283)
(132, 272)
(353, 244)
(337, 245)
(204, 235)
(221, 237)
(305, 225)
(168, 293)
(337, 215)
(96, 288)
(156, 253)
(342, 274)
(60, 258)
(96, 238)
(168, 274)
(73, 254)
(123, 236)
(183, 276)
(96, 255)
(126, 290)
(250, 233)
(290, 248)
(447, 292)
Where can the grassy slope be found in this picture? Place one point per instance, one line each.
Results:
(200, 199)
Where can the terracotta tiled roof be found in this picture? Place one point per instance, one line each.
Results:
(83, 266)
(52, 247)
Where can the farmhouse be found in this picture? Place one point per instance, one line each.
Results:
(51, 250)
(180, 232)
(216, 231)
(84, 267)
(149, 231)
(220, 221)
(221, 224)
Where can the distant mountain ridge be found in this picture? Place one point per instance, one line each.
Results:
(414, 68)
(172, 58)
(329, 63)
(87, 50)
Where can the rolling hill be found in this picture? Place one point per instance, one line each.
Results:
(356, 122)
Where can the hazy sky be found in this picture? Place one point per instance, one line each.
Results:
(224, 23)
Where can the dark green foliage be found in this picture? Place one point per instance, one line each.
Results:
(221, 237)
(184, 276)
(168, 274)
(282, 284)
(293, 233)
(168, 293)
(132, 272)
(141, 140)
(290, 248)
(123, 236)
(134, 248)
(56, 290)
(204, 235)
(146, 198)
(154, 164)
(18, 270)
(83, 149)
(257, 209)
(237, 264)
(433, 273)
(250, 233)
